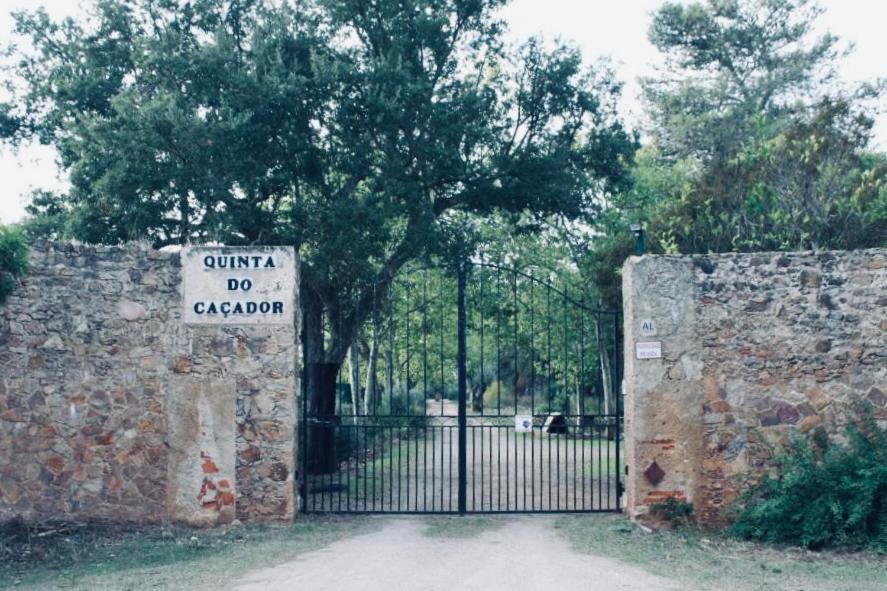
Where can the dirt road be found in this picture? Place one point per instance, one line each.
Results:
(523, 553)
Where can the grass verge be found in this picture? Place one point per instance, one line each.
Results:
(705, 561)
(104, 558)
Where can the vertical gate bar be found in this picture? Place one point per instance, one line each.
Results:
(424, 343)
(443, 471)
(498, 467)
(378, 468)
(583, 467)
(514, 345)
(582, 366)
(355, 387)
(394, 354)
(473, 464)
(575, 472)
(541, 469)
(355, 475)
(582, 378)
(550, 471)
(446, 457)
(557, 488)
(566, 410)
(548, 356)
(384, 441)
(339, 470)
(303, 472)
(600, 469)
(416, 471)
(498, 344)
(532, 354)
(507, 467)
(433, 463)
(490, 429)
(443, 388)
(389, 381)
(524, 460)
(617, 393)
(407, 428)
(483, 376)
(348, 475)
(481, 467)
(533, 395)
(450, 462)
(463, 385)
(367, 454)
(516, 471)
(407, 338)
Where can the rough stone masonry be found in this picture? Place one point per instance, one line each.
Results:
(754, 347)
(113, 407)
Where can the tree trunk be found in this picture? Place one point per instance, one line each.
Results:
(322, 424)
(370, 395)
(606, 372)
(354, 378)
(322, 361)
(320, 388)
(389, 371)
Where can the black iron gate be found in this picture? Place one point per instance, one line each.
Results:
(482, 389)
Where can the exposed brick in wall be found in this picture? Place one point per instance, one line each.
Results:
(111, 408)
(755, 347)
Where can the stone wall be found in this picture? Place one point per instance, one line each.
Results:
(754, 347)
(112, 408)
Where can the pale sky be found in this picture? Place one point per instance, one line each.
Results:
(614, 28)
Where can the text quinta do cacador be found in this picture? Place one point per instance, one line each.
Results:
(238, 307)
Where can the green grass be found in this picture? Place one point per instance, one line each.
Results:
(178, 559)
(705, 561)
(600, 456)
(460, 527)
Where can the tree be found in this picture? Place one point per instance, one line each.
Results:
(728, 64)
(13, 259)
(362, 132)
(754, 145)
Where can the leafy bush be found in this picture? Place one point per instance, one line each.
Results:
(829, 496)
(673, 510)
(13, 259)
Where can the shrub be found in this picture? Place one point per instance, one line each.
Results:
(13, 259)
(675, 511)
(830, 496)
(495, 394)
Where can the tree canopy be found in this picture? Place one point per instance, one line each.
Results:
(753, 143)
(364, 133)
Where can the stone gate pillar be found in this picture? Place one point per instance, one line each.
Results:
(232, 387)
(663, 374)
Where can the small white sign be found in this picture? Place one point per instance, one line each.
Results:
(523, 424)
(648, 350)
(648, 327)
(239, 285)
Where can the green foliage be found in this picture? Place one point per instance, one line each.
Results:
(677, 512)
(753, 147)
(836, 497)
(367, 134)
(496, 394)
(13, 259)
(726, 64)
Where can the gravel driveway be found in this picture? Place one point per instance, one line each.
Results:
(524, 553)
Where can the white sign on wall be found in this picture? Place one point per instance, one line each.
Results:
(523, 424)
(648, 350)
(232, 285)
